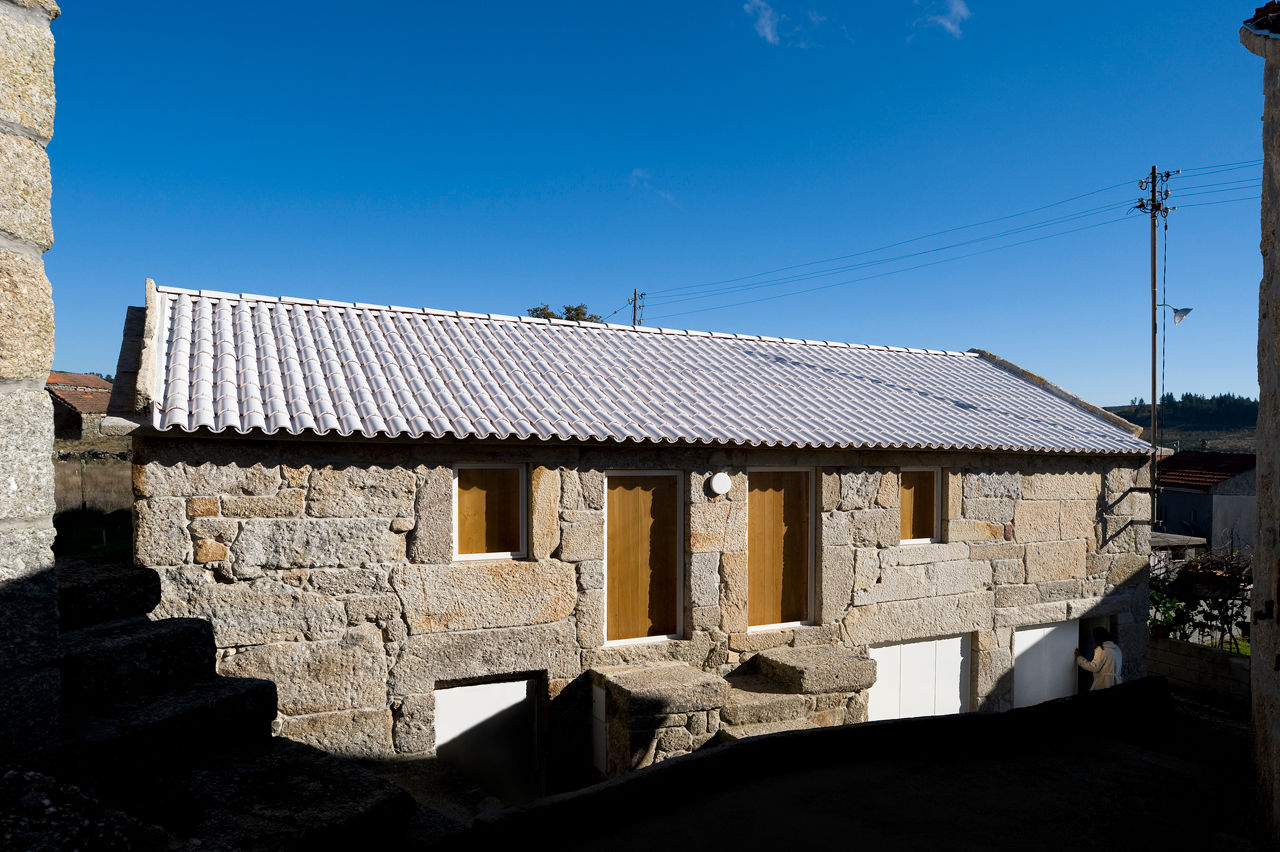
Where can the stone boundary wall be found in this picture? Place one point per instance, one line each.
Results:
(29, 679)
(1219, 677)
(327, 567)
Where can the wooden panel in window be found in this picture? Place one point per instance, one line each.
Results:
(489, 510)
(777, 547)
(919, 504)
(642, 588)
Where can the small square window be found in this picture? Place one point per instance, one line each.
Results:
(490, 511)
(920, 505)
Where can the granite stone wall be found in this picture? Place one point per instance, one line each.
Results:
(1263, 638)
(29, 681)
(327, 567)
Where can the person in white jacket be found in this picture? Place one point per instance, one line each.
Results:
(1106, 663)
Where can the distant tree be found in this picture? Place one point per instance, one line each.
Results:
(106, 376)
(576, 313)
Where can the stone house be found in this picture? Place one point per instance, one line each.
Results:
(79, 404)
(1210, 495)
(419, 523)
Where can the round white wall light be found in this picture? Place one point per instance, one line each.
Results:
(721, 483)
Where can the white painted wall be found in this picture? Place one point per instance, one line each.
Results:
(1235, 522)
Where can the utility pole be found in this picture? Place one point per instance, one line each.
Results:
(636, 307)
(1155, 207)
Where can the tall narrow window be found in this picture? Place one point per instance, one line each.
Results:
(778, 547)
(490, 511)
(642, 550)
(919, 505)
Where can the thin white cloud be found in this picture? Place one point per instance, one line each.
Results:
(949, 18)
(815, 17)
(641, 179)
(766, 19)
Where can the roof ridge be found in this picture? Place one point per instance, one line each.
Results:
(642, 329)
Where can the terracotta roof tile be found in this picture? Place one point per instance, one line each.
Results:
(77, 380)
(1199, 471)
(86, 402)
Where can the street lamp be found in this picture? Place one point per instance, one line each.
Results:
(1179, 314)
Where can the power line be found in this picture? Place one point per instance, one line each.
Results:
(1257, 185)
(1220, 171)
(1220, 183)
(894, 271)
(1058, 220)
(1224, 201)
(894, 245)
(1221, 165)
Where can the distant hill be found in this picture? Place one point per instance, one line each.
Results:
(1224, 422)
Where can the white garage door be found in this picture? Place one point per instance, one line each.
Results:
(1044, 666)
(929, 678)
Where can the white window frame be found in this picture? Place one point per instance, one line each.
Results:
(937, 504)
(679, 552)
(810, 549)
(524, 512)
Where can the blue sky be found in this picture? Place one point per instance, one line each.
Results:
(492, 156)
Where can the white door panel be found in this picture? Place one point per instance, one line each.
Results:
(928, 678)
(1044, 666)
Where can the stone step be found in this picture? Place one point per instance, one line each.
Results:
(147, 729)
(92, 593)
(816, 668)
(114, 660)
(733, 733)
(753, 699)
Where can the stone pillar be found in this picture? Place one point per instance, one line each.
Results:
(1263, 636)
(29, 680)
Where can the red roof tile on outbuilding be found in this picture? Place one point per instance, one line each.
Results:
(1197, 471)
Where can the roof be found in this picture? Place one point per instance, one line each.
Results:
(244, 363)
(77, 380)
(85, 402)
(1199, 471)
(1265, 20)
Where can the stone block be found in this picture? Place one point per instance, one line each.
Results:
(591, 574)
(896, 583)
(835, 530)
(207, 550)
(160, 532)
(26, 186)
(922, 554)
(698, 650)
(890, 495)
(317, 543)
(259, 612)
(294, 476)
(837, 575)
(1074, 485)
(1128, 568)
(817, 668)
(875, 528)
(1077, 520)
(997, 551)
(992, 510)
(413, 729)
(1036, 520)
(592, 484)
(286, 503)
(360, 492)
(28, 598)
(733, 591)
(26, 485)
(428, 658)
(581, 536)
(993, 485)
(26, 317)
(477, 595)
(1007, 596)
(202, 507)
(1060, 590)
(1093, 607)
(589, 615)
(661, 689)
(900, 621)
(383, 610)
(431, 541)
(995, 668)
(544, 510)
(859, 490)
(346, 733)
(1117, 482)
(178, 478)
(954, 578)
(966, 530)
(224, 530)
(1041, 613)
(1006, 571)
(760, 640)
(705, 618)
(319, 677)
(26, 86)
(830, 494)
(366, 580)
(675, 740)
(1056, 560)
(571, 490)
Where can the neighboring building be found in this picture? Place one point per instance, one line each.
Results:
(79, 404)
(417, 520)
(1261, 35)
(1210, 495)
